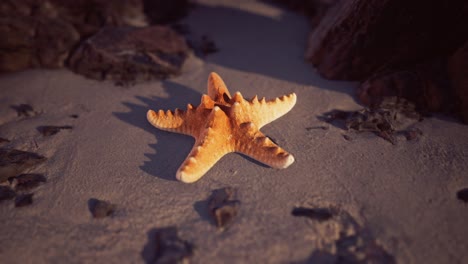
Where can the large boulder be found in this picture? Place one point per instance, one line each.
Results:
(130, 54)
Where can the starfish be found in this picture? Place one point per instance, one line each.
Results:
(222, 124)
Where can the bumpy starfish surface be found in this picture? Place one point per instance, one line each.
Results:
(222, 124)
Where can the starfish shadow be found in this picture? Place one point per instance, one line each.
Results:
(171, 148)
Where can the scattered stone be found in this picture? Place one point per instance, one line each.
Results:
(128, 54)
(319, 214)
(347, 137)
(24, 110)
(24, 200)
(169, 248)
(207, 45)
(413, 133)
(317, 127)
(462, 195)
(26, 181)
(341, 239)
(51, 130)
(100, 209)
(6, 193)
(74, 116)
(13, 162)
(223, 207)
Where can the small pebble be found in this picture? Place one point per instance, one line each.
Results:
(24, 200)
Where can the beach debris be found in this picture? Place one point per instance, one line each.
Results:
(13, 162)
(6, 193)
(24, 110)
(128, 55)
(169, 248)
(24, 199)
(100, 208)
(74, 116)
(413, 133)
(26, 181)
(462, 195)
(223, 207)
(51, 130)
(319, 214)
(207, 45)
(386, 120)
(341, 239)
(220, 116)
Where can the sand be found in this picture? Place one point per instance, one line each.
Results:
(389, 203)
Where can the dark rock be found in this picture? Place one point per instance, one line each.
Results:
(74, 116)
(458, 73)
(357, 39)
(319, 214)
(24, 110)
(34, 42)
(6, 193)
(51, 130)
(100, 209)
(207, 45)
(24, 200)
(426, 85)
(26, 181)
(462, 195)
(4, 140)
(223, 207)
(169, 248)
(127, 54)
(13, 162)
(165, 12)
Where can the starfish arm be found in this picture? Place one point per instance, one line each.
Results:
(261, 112)
(259, 147)
(217, 90)
(211, 146)
(264, 112)
(179, 121)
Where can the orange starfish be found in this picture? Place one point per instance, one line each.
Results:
(222, 124)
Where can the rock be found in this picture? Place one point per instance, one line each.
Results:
(223, 207)
(169, 248)
(100, 208)
(359, 38)
(51, 130)
(24, 200)
(458, 73)
(6, 193)
(462, 195)
(26, 181)
(426, 85)
(34, 42)
(24, 110)
(319, 214)
(128, 54)
(13, 162)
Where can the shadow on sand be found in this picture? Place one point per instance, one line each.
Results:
(171, 148)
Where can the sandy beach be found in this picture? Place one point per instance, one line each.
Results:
(383, 203)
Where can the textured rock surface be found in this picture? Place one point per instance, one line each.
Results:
(358, 38)
(128, 54)
(458, 72)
